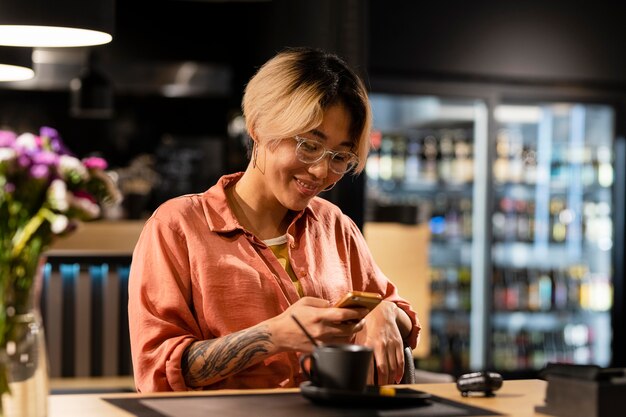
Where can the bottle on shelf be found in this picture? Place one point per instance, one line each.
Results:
(465, 288)
(466, 218)
(385, 165)
(515, 157)
(372, 168)
(529, 156)
(605, 166)
(463, 168)
(499, 290)
(431, 152)
(558, 229)
(501, 163)
(452, 288)
(398, 158)
(446, 161)
(413, 163)
(545, 291)
(559, 291)
(523, 224)
(437, 288)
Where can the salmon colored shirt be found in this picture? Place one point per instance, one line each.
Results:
(197, 274)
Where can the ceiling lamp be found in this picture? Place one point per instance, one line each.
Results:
(15, 64)
(58, 23)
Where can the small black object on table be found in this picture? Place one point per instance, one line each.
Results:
(482, 382)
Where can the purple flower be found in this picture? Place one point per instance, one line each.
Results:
(45, 158)
(54, 140)
(24, 160)
(42, 178)
(49, 132)
(7, 138)
(9, 187)
(39, 171)
(94, 162)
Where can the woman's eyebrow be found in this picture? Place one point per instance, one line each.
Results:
(321, 135)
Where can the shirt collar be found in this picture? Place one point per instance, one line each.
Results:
(219, 215)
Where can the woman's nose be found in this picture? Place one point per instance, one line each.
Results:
(320, 168)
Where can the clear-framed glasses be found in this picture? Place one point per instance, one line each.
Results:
(311, 151)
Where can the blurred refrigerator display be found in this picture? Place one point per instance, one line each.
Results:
(552, 235)
(421, 171)
(519, 203)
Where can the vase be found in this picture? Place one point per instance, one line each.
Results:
(24, 357)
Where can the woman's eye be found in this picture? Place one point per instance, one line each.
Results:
(341, 157)
(310, 146)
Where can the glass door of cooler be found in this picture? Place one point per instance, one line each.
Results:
(552, 236)
(421, 171)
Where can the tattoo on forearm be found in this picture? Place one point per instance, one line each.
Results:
(225, 356)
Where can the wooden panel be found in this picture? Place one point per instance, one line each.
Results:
(99, 238)
(53, 320)
(401, 252)
(82, 325)
(111, 328)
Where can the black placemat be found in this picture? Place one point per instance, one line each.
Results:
(281, 405)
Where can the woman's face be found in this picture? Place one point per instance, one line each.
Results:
(294, 183)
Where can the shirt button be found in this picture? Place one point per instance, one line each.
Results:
(293, 246)
(303, 273)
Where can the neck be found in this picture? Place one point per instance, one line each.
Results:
(265, 221)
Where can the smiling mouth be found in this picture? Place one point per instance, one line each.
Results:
(307, 186)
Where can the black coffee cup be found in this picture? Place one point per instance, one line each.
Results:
(338, 366)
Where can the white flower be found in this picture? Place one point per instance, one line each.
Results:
(58, 196)
(109, 179)
(27, 141)
(7, 154)
(70, 166)
(59, 224)
(88, 208)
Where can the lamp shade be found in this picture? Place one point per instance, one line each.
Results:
(58, 23)
(15, 64)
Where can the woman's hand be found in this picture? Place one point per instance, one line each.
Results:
(381, 333)
(326, 324)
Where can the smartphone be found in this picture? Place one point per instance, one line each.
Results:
(368, 300)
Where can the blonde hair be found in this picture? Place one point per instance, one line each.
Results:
(289, 94)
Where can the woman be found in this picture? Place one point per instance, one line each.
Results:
(217, 276)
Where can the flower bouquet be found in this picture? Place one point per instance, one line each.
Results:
(44, 192)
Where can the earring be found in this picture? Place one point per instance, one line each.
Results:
(330, 187)
(255, 151)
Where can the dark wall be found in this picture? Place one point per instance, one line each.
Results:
(219, 32)
(531, 40)
(338, 26)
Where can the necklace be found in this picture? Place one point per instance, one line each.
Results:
(262, 230)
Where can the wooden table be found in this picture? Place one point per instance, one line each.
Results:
(516, 398)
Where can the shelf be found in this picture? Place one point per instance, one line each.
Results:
(101, 237)
(400, 188)
(548, 256)
(526, 191)
(448, 253)
(546, 320)
(462, 313)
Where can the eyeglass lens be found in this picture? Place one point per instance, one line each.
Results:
(309, 152)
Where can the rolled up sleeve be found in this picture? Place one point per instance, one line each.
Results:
(161, 321)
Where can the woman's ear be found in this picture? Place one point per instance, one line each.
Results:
(253, 135)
